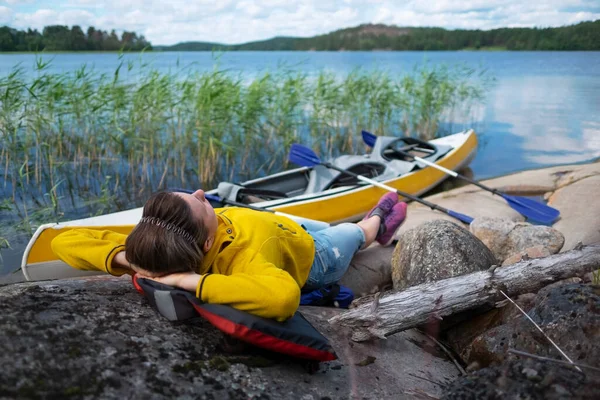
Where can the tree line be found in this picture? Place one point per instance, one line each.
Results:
(582, 36)
(63, 38)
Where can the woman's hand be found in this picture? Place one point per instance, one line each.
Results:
(184, 280)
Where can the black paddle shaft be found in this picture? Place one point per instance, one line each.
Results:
(403, 194)
(237, 203)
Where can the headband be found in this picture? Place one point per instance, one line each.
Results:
(169, 226)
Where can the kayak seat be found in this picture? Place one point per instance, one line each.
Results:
(322, 178)
(383, 150)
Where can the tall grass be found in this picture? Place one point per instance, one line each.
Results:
(81, 143)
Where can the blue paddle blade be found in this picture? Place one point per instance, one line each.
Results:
(304, 156)
(461, 217)
(212, 197)
(533, 210)
(369, 138)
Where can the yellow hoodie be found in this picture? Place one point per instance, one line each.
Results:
(258, 261)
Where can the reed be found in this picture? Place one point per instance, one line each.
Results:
(82, 143)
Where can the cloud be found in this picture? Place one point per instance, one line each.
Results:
(45, 17)
(5, 15)
(13, 2)
(229, 21)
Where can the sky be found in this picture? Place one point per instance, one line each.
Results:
(165, 22)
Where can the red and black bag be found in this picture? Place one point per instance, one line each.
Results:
(295, 337)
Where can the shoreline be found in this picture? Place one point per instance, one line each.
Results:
(463, 198)
(483, 50)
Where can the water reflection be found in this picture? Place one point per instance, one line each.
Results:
(533, 122)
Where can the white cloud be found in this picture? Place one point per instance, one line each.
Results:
(229, 21)
(13, 2)
(5, 15)
(45, 17)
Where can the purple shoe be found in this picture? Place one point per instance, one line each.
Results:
(383, 206)
(392, 222)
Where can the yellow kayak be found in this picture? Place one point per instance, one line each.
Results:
(315, 193)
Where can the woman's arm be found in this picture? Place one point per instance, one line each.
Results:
(92, 250)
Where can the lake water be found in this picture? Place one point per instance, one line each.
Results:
(543, 110)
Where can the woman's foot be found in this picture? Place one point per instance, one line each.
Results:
(391, 223)
(383, 206)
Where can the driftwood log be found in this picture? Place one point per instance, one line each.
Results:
(396, 311)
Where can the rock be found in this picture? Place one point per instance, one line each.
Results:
(506, 238)
(419, 215)
(493, 232)
(569, 314)
(576, 173)
(547, 179)
(98, 338)
(525, 236)
(529, 253)
(370, 270)
(524, 379)
(437, 250)
(579, 206)
(475, 203)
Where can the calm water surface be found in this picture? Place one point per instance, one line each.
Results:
(543, 110)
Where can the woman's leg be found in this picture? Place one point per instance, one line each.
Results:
(370, 229)
(334, 249)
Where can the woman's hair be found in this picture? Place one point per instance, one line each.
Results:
(168, 238)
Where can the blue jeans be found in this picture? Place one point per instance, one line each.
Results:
(334, 248)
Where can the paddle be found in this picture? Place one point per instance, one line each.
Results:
(529, 208)
(305, 157)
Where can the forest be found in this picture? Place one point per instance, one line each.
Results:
(63, 38)
(582, 36)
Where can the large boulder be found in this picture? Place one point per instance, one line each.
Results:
(568, 313)
(437, 250)
(98, 338)
(506, 238)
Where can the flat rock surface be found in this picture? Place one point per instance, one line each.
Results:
(579, 204)
(98, 338)
(573, 189)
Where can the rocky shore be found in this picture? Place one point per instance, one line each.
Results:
(97, 337)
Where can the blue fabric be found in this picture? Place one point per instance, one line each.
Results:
(329, 296)
(334, 249)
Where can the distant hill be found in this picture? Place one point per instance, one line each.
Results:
(582, 36)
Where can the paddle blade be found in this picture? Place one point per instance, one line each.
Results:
(532, 209)
(461, 217)
(369, 138)
(304, 156)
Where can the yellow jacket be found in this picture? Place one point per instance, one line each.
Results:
(258, 262)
